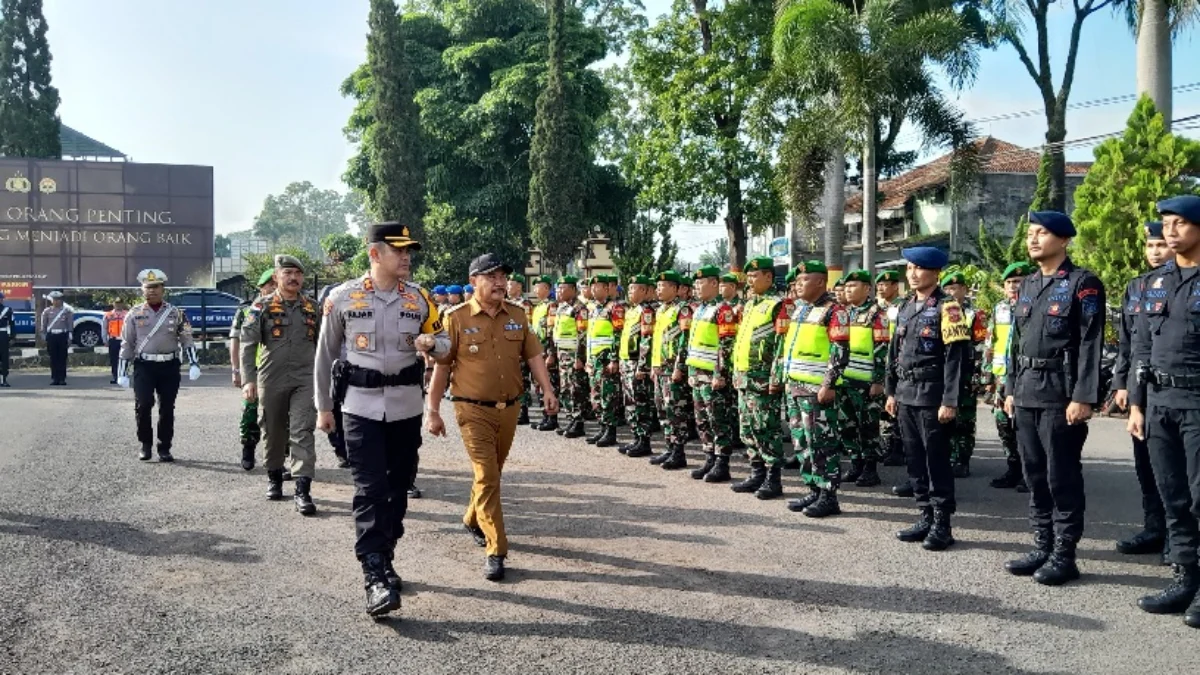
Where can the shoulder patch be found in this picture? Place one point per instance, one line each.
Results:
(455, 308)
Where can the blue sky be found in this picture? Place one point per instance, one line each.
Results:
(250, 87)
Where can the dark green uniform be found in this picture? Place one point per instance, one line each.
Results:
(637, 338)
(860, 411)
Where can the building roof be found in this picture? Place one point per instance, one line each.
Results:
(75, 144)
(995, 156)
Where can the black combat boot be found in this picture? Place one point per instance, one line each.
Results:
(414, 492)
(1011, 477)
(792, 464)
(677, 460)
(628, 446)
(1022, 487)
(392, 576)
(563, 429)
(853, 471)
(641, 448)
(825, 506)
(1150, 540)
(870, 475)
(693, 432)
(591, 440)
(1060, 567)
(146, 452)
(164, 453)
(655, 426)
(493, 570)
(608, 438)
(758, 475)
(772, 485)
(247, 457)
(589, 415)
(920, 529)
(798, 505)
(1177, 597)
(659, 459)
(302, 498)
(720, 471)
(286, 474)
(895, 457)
(381, 597)
(904, 489)
(548, 423)
(1192, 617)
(710, 460)
(576, 429)
(275, 485)
(1026, 565)
(962, 470)
(940, 536)
(523, 418)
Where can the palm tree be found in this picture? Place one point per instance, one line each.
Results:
(1155, 23)
(854, 65)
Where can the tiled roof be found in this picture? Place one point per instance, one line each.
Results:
(995, 155)
(75, 144)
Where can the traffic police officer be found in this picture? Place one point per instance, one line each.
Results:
(927, 361)
(57, 323)
(1153, 536)
(1055, 351)
(607, 320)
(994, 368)
(489, 338)
(764, 322)
(570, 325)
(710, 373)
(962, 436)
(153, 335)
(1165, 403)
(6, 331)
(248, 428)
(887, 294)
(387, 325)
(542, 317)
(279, 339)
(516, 294)
(637, 339)
(862, 392)
(668, 361)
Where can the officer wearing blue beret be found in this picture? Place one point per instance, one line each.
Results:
(1051, 391)
(454, 295)
(439, 295)
(1165, 399)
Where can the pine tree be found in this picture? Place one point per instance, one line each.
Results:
(397, 159)
(29, 122)
(558, 158)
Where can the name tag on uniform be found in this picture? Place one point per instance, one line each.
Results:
(360, 314)
(512, 325)
(470, 331)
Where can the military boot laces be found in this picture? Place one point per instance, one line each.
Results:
(1060, 567)
(719, 472)
(772, 485)
(920, 529)
(710, 460)
(302, 498)
(798, 505)
(608, 437)
(641, 448)
(825, 506)
(870, 475)
(677, 460)
(275, 485)
(1026, 565)
(381, 597)
(853, 471)
(940, 536)
(758, 474)
(1178, 596)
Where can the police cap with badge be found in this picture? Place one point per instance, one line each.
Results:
(393, 234)
(670, 276)
(151, 277)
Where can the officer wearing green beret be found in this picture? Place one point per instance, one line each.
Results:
(889, 299)
(962, 437)
(994, 368)
(839, 291)
(515, 293)
(687, 293)
(542, 317)
(668, 361)
(861, 395)
(764, 322)
(614, 296)
(248, 426)
(710, 372)
(634, 351)
(605, 323)
(569, 329)
(731, 291)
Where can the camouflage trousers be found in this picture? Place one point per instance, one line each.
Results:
(527, 380)
(1007, 430)
(573, 385)
(713, 417)
(674, 401)
(962, 433)
(554, 378)
(251, 434)
(859, 415)
(639, 399)
(761, 423)
(605, 387)
(816, 435)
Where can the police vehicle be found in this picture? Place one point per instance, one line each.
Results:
(88, 330)
(209, 312)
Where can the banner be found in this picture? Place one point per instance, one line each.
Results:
(16, 290)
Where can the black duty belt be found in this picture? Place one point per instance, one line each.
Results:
(1041, 364)
(365, 378)
(498, 405)
(924, 374)
(1175, 381)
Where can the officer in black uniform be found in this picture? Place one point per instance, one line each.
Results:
(927, 361)
(1153, 536)
(1054, 384)
(6, 331)
(1165, 403)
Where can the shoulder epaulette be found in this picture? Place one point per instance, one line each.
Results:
(455, 308)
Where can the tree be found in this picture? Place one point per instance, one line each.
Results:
(29, 121)
(1007, 26)
(1130, 175)
(341, 247)
(222, 246)
(558, 159)
(397, 160)
(302, 214)
(637, 254)
(316, 271)
(1155, 23)
(718, 255)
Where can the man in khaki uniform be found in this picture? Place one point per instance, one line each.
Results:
(279, 339)
(152, 336)
(489, 339)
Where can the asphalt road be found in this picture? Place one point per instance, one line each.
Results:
(111, 565)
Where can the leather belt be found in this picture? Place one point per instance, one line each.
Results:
(926, 373)
(1041, 364)
(498, 405)
(159, 358)
(1175, 381)
(365, 378)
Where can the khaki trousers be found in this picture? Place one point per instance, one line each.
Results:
(287, 417)
(487, 434)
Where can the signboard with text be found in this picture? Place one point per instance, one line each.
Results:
(97, 224)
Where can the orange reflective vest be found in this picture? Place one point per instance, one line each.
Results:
(114, 320)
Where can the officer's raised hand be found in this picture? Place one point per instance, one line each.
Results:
(946, 414)
(325, 421)
(250, 391)
(1078, 413)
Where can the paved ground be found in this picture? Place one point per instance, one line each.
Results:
(112, 565)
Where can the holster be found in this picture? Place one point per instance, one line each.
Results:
(340, 382)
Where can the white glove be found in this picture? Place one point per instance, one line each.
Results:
(194, 372)
(123, 382)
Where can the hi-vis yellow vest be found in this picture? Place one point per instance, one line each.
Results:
(666, 331)
(806, 347)
(566, 336)
(628, 332)
(599, 334)
(757, 324)
(893, 316)
(704, 343)
(1001, 333)
(862, 351)
(539, 319)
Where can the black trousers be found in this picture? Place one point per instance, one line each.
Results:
(1152, 506)
(56, 345)
(1050, 457)
(4, 354)
(383, 460)
(1174, 439)
(150, 378)
(114, 355)
(927, 450)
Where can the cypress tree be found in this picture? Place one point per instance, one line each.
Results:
(29, 122)
(558, 158)
(398, 161)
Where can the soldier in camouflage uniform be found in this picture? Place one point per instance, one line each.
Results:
(605, 322)
(248, 427)
(889, 299)
(668, 357)
(614, 295)
(570, 326)
(994, 369)
(731, 286)
(962, 438)
(791, 460)
(810, 361)
(763, 324)
(862, 392)
(637, 338)
(542, 318)
(687, 293)
(710, 373)
(516, 295)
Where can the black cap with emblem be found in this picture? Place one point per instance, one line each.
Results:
(392, 233)
(488, 262)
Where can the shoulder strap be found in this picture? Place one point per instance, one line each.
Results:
(142, 345)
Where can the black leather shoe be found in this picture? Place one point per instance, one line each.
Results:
(478, 535)
(825, 506)
(720, 471)
(247, 457)
(1008, 480)
(381, 597)
(659, 459)
(1023, 487)
(146, 453)
(275, 485)
(677, 460)
(576, 430)
(343, 463)
(1146, 541)
(772, 485)
(853, 471)
(414, 492)
(164, 455)
(798, 505)
(1060, 567)
(904, 489)
(940, 536)
(1026, 565)
(608, 437)
(548, 423)
(758, 475)
(302, 498)
(870, 476)
(640, 448)
(1177, 597)
(962, 471)
(494, 569)
(710, 460)
(918, 530)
